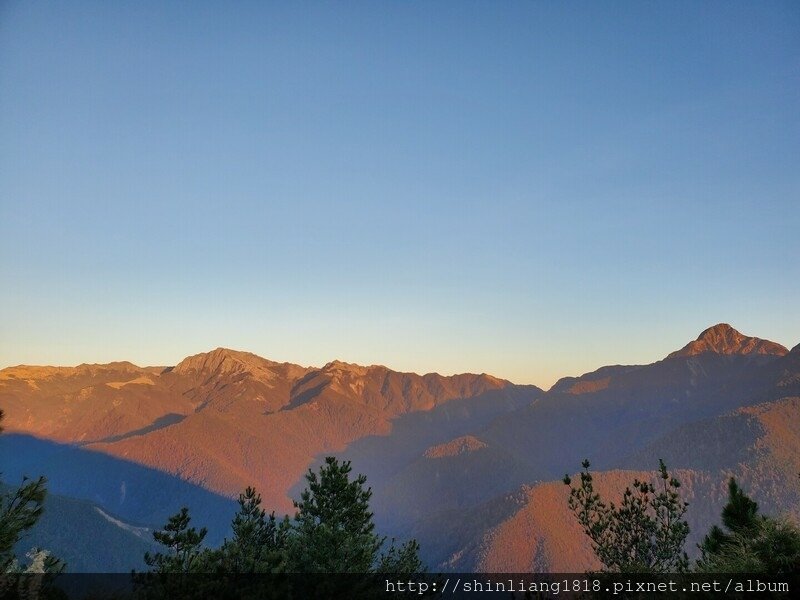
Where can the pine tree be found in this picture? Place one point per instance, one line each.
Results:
(185, 552)
(19, 512)
(750, 542)
(401, 560)
(739, 516)
(333, 530)
(644, 534)
(259, 541)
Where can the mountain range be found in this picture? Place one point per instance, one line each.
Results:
(469, 464)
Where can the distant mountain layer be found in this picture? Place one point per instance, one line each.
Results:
(86, 537)
(228, 419)
(469, 464)
(136, 493)
(724, 339)
(710, 415)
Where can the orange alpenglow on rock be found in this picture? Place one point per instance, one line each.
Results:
(724, 339)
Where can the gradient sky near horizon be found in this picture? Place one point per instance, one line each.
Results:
(528, 189)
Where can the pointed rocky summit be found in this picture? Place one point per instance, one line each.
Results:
(724, 339)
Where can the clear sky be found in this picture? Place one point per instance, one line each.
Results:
(529, 189)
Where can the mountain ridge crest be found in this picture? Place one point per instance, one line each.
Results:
(724, 339)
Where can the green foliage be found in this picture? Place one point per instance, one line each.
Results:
(20, 509)
(185, 552)
(401, 560)
(19, 512)
(644, 534)
(739, 516)
(333, 530)
(750, 542)
(259, 541)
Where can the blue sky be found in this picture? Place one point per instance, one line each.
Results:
(529, 189)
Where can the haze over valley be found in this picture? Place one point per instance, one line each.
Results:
(462, 245)
(468, 464)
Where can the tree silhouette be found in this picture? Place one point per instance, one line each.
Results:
(749, 542)
(20, 510)
(333, 531)
(184, 546)
(259, 541)
(333, 528)
(644, 534)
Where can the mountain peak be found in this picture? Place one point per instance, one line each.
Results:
(721, 338)
(724, 339)
(341, 368)
(221, 360)
(342, 365)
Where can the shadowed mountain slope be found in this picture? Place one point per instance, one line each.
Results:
(85, 537)
(543, 535)
(135, 493)
(226, 419)
(610, 411)
(86, 403)
(708, 407)
(701, 437)
(759, 445)
(469, 464)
